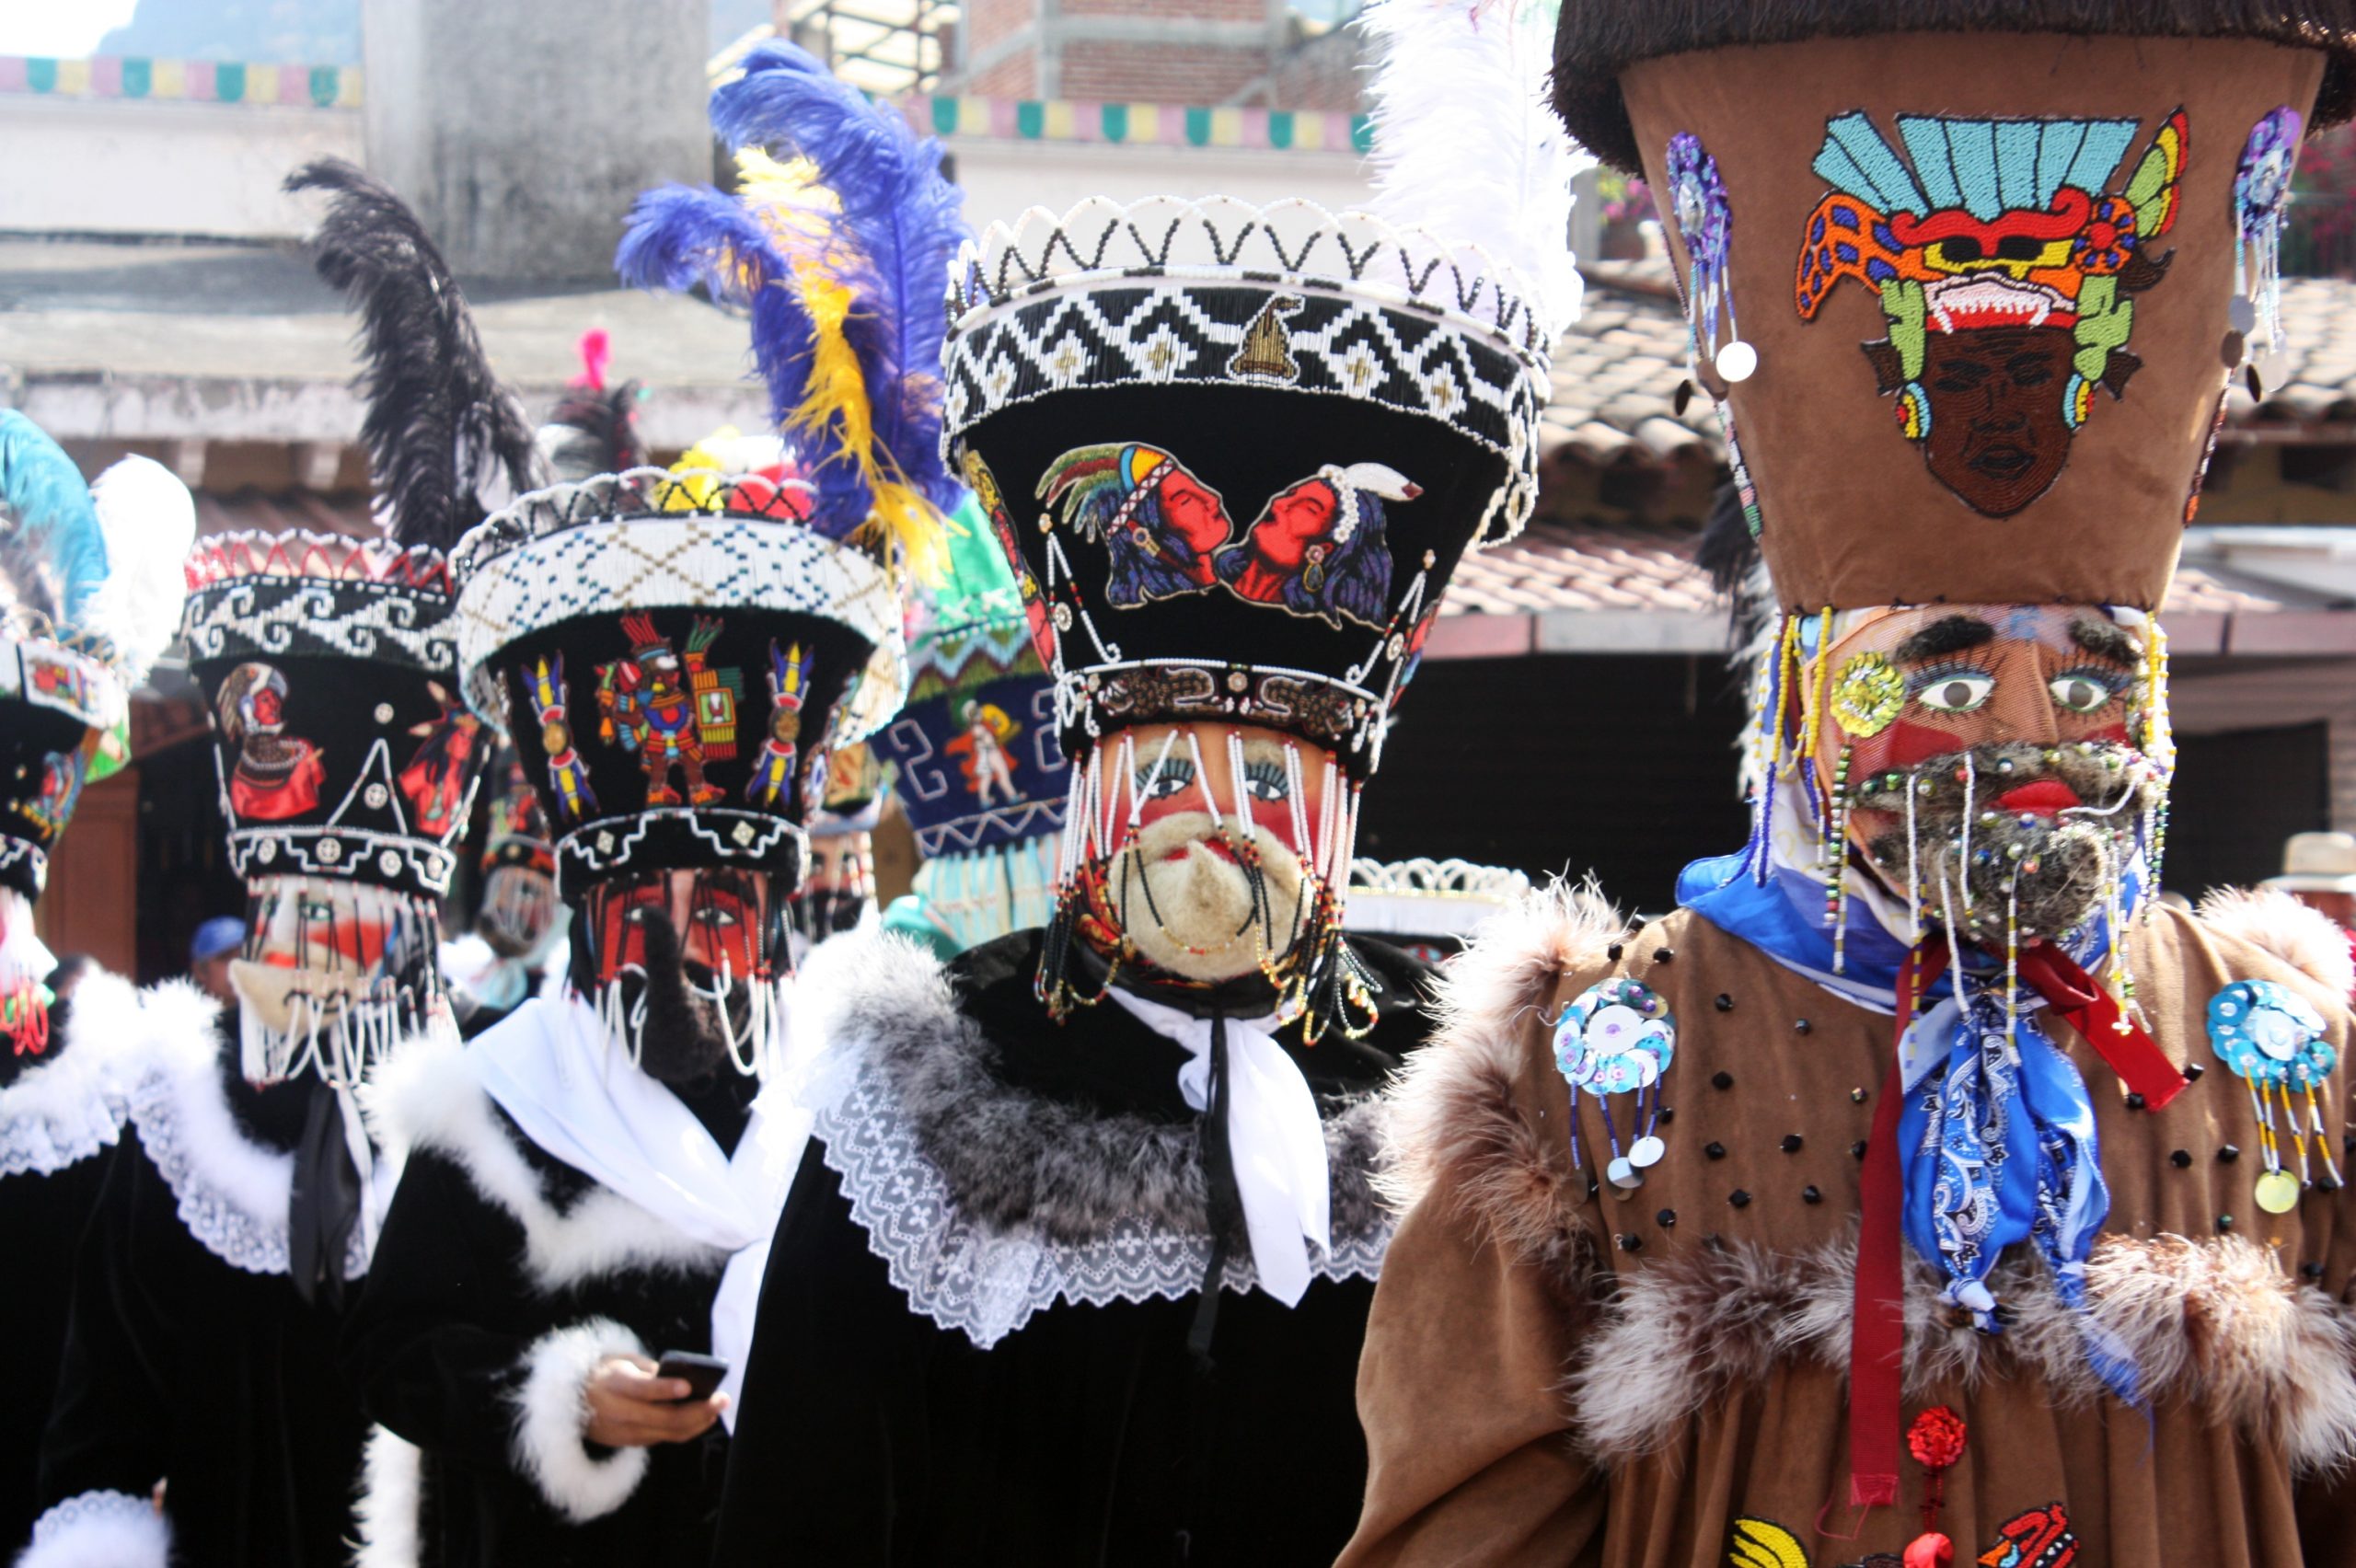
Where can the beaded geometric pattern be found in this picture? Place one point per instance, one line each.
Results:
(315, 596)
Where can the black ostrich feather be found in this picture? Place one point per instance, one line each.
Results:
(439, 425)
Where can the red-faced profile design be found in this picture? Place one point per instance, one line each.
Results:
(277, 775)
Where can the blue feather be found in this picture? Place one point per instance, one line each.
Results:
(52, 551)
(898, 218)
(682, 237)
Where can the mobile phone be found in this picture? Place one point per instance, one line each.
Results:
(700, 1373)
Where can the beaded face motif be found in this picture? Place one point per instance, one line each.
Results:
(1618, 1037)
(2269, 1036)
(2006, 274)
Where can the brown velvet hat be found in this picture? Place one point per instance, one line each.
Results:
(1968, 298)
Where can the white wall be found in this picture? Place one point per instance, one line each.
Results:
(101, 166)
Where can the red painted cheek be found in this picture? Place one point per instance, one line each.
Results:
(1903, 745)
(2115, 734)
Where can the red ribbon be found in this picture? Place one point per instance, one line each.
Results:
(1878, 1325)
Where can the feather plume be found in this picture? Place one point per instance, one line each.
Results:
(439, 426)
(1465, 144)
(148, 521)
(878, 220)
(594, 427)
(53, 554)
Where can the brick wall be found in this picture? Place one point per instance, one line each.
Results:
(1162, 72)
(1320, 75)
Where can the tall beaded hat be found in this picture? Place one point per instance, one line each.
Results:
(1236, 453)
(978, 761)
(676, 652)
(346, 757)
(90, 590)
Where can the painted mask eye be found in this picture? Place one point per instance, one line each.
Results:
(1266, 781)
(718, 920)
(1956, 692)
(1175, 777)
(2083, 691)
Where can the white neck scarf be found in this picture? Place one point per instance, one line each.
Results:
(575, 1094)
(1273, 1134)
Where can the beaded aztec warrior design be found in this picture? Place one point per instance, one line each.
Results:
(2007, 276)
(1316, 549)
(1289, 833)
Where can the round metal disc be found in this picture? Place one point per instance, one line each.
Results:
(1737, 360)
(2278, 1192)
(1624, 1174)
(1646, 1152)
(2241, 314)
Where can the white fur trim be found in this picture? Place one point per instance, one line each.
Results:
(73, 1106)
(2307, 940)
(427, 1097)
(386, 1516)
(551, 1416)
(2215, 1323)
(1454, 1114)
(100, 1529)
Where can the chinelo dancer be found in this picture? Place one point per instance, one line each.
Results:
(1922, 1189)
(199, 1416)
(554, 1333)
(1078, 1261)
(93, 586)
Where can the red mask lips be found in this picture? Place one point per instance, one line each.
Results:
(1219, 847)
(2047, 797)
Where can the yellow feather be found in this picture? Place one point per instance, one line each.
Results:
(699, 467)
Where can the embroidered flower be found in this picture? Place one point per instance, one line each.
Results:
(2266, 1033)
(1936, 1438)
(1615, 1037)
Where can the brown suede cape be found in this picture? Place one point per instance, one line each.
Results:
(1557, 1376)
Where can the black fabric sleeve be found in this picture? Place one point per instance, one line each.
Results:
(829, 1457)
(436, 1343)
(110, 1426)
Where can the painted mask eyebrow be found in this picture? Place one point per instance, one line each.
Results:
(1951, 634)
(2105, 641)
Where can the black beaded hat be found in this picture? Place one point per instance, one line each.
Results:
(1236, 453)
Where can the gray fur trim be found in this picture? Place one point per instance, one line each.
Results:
(1014, 1158)
(2214, 1322)
(1456, 1122)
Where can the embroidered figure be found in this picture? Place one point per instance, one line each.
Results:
(984, 484)
(568, 775)
(435, 782)
(1159, 523)
(1317, 550)
(1762, 1543)
(2269, 1036)
(1617, 1037)
(646, 706)
(2038, 1538)
(62, 778)
(981, 751)
(278, 774)
(773, 769)
(1266, 354)
(2006, 275)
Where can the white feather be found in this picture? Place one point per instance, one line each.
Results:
(149, 522)
(1466, 146)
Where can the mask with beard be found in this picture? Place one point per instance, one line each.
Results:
(2002, 768)
(682, 967)
(1214, 870)
(839, 888)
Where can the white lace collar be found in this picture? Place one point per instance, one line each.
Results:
(233, 1192)
(71, 1106)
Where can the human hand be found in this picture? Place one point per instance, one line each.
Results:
(631, 1407)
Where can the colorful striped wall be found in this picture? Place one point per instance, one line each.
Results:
(184, 81)
(1172, 125)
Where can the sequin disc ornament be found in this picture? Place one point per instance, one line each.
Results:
(1617, 1037)
(2269, 1036)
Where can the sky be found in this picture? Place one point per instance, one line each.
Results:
(66, 28)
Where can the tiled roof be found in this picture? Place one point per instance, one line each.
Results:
(1584, 566)
(1617, 372)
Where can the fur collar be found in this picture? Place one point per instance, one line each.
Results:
(71, 1105)
(2272, 920)
(232, 1192)
(427, 1097)
(1014, 1158)
(2216, 1322)
(1454, 1123)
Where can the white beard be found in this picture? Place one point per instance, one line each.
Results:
(1201, 921)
